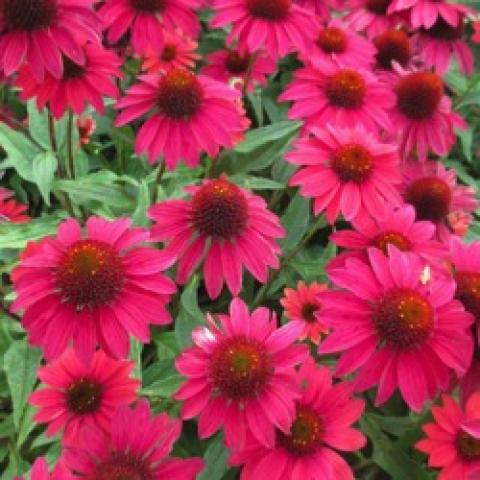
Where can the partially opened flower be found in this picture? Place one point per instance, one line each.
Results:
(40, 471)
(322, 427)
(92, 289)
(439, 43)
(346, 171)
(346, 97)
(424, 13)
(423, 115)
(452, 441)
(178, 52)
(148, 20)
(393, 45)
(79, 85)
(138, 446)
(11, 210)
(336, 42)
(301, 305)
(371, 16)
(78, 396)
(183, 106)
(240, 375)
(279, 27)
(40, 32)
(396, 227)
(433, 190)
(395, 329)
(224, 226)
(231, 64)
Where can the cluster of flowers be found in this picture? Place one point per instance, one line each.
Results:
(405, 292)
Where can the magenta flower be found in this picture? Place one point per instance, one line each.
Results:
(323, 418)
(347, 171)
(453, 441)
(78, 86)
(39, 32)
(40, 471)
(78, 396)
(396, 330)
(91, 289)
(346, 97)
(147, 21)
(240, 375)
(137, 447)
(393, 45)
(223, 225)
(279, 27)
(183, 105)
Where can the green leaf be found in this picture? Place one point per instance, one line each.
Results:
(256, 183)
(215, 460)
(44, 167)
(190, 315)
(38, 127)
(136, 349)
(143, 202)
(161, 379)
(20, 365)
(260, 136)
(295, 220)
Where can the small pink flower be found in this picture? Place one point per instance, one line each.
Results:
(223, 225)
(453, 439)
(423, 115)
(433, 191)
(78, 86)
(92, 288)
(40, 32)
(347, 171)
(346, 97)
(301, 305)
(439, 43)
(424, 13)
(336, 42)
(240, 375)
(40, 471)
(178, 52)
(279, 27)
(148, 20)
(322, 426)
(138, 447)
(86, 127)
(230, 64)
(183, 105)
(459, 223)
(78, 396)
(395, 329)
(10, 210)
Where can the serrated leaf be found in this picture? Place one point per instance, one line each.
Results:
(44, 167)
(20, 365)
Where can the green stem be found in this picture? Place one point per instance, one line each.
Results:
(158, 179)
(70, 152)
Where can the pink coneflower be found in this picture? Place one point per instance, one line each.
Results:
(342, 96)
(138, 447)
(224, 225)
(148, 20)
(301, 305)
(335, 42)
(440, 42)
(11, 210)
(433, 191)
(470, 382)
(40, 471)
(370, 16)
(178, 52)
(78, 396)
(321, 8)
(279, 27)
(393, 45)
(240, 375)
(78, 86)
(230, 64)
(452, 442)
(323, 418)
(396, 329)
(92, 289)
(476, 34)
(184, 105)
(38, 32)
(396, 227)
(423, 115)
(347, 171)
(424, 13)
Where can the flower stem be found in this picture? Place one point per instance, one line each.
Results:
(70, 153)
(158, 179)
